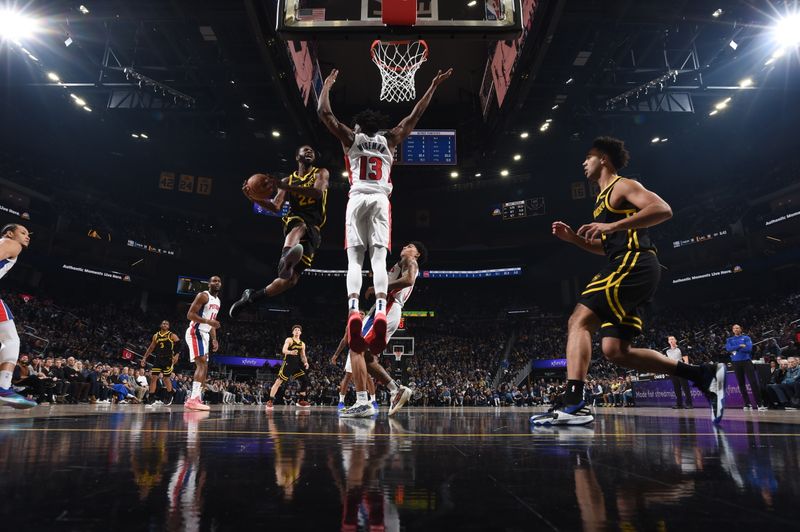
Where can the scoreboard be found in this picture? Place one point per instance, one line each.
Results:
(428, 146)
(512, 210)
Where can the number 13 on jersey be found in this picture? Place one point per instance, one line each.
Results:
(371, 168)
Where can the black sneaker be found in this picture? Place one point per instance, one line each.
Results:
(713, 387)
(237, 307)
(287, 263)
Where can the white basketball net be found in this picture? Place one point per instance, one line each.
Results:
(398, 62)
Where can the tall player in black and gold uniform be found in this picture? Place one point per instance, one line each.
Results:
(307, 192)
(164, 348)
(612, 301)
(295, 365)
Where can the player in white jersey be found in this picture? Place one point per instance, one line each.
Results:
(369, 158)
(402, 278)
(15, 238)
(202, 328)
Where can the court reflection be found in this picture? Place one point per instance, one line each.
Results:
(425, 470)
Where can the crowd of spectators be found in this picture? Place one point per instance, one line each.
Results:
(88, 352)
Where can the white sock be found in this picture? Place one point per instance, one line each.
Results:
(5, 378)
(196, 386)
(380, 306)
(352, 304)
(362, 397)
(372, 398)
(393, 387)
(341, 398)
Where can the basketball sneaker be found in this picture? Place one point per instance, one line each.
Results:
(196, 404)
(359, 410)
(340, 407)
(354, 338)
(579, 414)
(11, 398)
(289, 260)
(713, 387)
(398, 399)
(245, 300)
(378, 341)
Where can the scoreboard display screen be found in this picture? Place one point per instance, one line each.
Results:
(191, 285)
(513, 210)
(428, 146)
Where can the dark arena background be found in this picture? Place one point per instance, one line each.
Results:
(128, 128)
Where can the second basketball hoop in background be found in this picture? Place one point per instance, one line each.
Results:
(398, 62)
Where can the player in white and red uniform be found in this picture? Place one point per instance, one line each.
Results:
(202, 334)
(402, 278)
(14, 239)
(369, 159)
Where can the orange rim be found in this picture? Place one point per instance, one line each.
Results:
(380, 63)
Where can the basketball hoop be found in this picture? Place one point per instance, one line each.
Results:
(398, 62)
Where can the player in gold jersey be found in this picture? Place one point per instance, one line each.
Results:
(307, 192)
(612, 301)
(164, 348)
(295, 365)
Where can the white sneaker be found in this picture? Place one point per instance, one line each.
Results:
(762, 408)
(747, 407)
(399, 398)
(359, 410)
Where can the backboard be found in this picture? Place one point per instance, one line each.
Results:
(337, 19)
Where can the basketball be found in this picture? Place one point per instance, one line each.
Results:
(261, 186)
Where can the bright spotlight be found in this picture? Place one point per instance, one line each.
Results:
(523, 135)
(345, 174)
(276, 133)
(655, 139)
(717, 13)
(504, 173)
(733, 44)
(16, 26)
(787, 30)
(554, 107)
(721, 105)
(517, 157)
(53, 76)
(472, 3)
(747, 82)
(664, 139)
(83, 9)
(712, 113)
(78, 101)
(134, 135)
(87, 109)
(144, 135)
(454, 174)
(478, 174)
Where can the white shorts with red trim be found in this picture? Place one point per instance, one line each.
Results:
(5, 312)
(393, 314)
(368, 221)
(197, 341)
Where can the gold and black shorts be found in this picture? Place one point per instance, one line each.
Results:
(619, 293)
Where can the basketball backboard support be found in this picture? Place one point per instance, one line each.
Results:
(337, 19)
